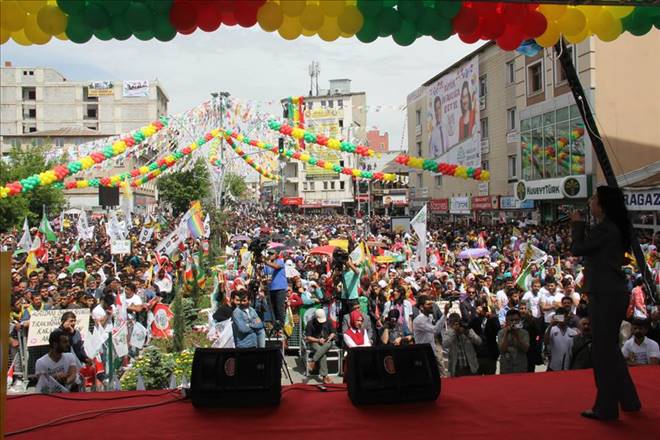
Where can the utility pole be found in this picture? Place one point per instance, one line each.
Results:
(219, 99)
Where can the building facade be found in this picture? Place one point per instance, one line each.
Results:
(377, 141)
(339, 113)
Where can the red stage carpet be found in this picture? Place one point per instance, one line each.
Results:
(526, 406)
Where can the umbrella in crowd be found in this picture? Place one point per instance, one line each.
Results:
(322, 250)
(473, 253)
(240, 238)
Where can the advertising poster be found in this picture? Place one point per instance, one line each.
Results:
(323, 121)
(100, 88)
(453, 116)
(136, 88)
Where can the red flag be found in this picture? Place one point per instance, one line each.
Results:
(160, 327)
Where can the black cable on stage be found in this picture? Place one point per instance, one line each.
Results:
(63, 396)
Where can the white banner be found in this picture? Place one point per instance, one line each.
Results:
(459, 205)
(43, 322)
(145, 234)
(135, 88)
(169, 244)
(648, 200)
(138, 335)
(122, 247)
(453, 116)
(120, 339)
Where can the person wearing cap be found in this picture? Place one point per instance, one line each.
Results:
(320, 335)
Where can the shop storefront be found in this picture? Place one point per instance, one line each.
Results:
(484, 209)
(644, 207)
(439, 209)
(556, 197)
(512, 209)
(459, 208)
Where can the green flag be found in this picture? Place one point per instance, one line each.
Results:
(525, 278)
(46, 229)
(76, 265)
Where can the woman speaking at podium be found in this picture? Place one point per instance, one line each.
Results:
(603, 248)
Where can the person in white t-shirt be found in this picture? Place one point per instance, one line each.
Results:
(559, 341)
(103, 312)
(58, 369)
(533, 298)
(132, 302)
(640, 350)
(550, 299)
(569, 290)
(501, 297)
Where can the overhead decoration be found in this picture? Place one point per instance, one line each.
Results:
(307, 158)
(249, 160)
(509, 24)
(446, 169)
(296, 114)
(319, 139)
(59, 172)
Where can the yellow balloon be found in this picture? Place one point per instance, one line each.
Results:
(12, 17)
(4, 36)
(290, 29)
(329, 31)
(620, 11)
(62, 36)
(51, 20)
(308, 33)
(612, 32)
(603, 22)
(332, 8)
(32, 6)
(350, 21)
(312, 18)
(20, 38)
(572, 22)
(549, 37)
(552, 12)
(270, 16)
(293, 8)
(590, 11)
(579, 37)
(33, 32)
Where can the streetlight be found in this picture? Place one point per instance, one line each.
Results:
(221, 103)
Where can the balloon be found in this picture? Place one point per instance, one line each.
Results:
(510, 39)
(62, 36)
(5, 35)
(469, 38)
(77, 30)
(139, 17)
(183, 16)
(208, 17)
(602, 22)
(71, 7)
(20, 38)
(33, 32)
(389, 21)
(406, 35)
(158, 6)
(552, 12)
(293, 8)
(96, 16)
(145, 35)
(535, 24)
(163, 30)
(448, 9)
(12, 17)
(409, 10)
(270, 16)
(620, 11)
(332, 9)
(637, 23)
(572, 22)
(312, 17)
(491, 26)
(465, 22)
(307, 33)
(369, 32)
(590, 11)
(246, 13)
(549, 37)
(350, 21)
(370, 8)
(427, 21)
(32, 6)
(119, 28)
(103, 34)
(443, 29)
(574, 39)
(514, 14)
(290, 29)
(330, 30)
(51, 20)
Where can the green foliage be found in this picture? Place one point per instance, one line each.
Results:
(179, 321)
(21, 164)
(180, 188)
(235, 184)
(156, 367)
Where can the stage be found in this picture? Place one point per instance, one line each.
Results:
(536, 406)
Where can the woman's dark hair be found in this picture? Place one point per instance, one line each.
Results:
(614, 207)
(466, 87)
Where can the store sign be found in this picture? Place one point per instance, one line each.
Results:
(439, 205)
(362, 198)
(395, 200)
(100, 88)
(648, 200)
(291, 201)
(482, 187)
(331, 203)
(484, 203)
(459, 205)
(571, 187)
(310, 205)
(509, 203)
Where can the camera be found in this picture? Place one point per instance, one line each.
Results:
(339, 259)
(257, 248)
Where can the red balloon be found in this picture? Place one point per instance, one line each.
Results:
(208, 17)
(466, 21)
(491, 27)
(229, 19)
(470, 38)
(188, 31)
(484, 9)
(246, 13)
(535, 24)
(514, 14)
(183, 15)
(225, 5)
(510, 40)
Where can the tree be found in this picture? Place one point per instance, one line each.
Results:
(182, 187)
(235, 184)
(19, 165)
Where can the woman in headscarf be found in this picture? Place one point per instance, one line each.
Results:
(356, 335)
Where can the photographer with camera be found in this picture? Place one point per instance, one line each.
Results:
(513, 341)
(277, 287)
(393, 331)
(460, 341)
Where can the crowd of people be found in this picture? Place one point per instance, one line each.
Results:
(516, 306)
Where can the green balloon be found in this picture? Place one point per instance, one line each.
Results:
(637, 23)
(163, 30)
(96, 16)
(120, 29)
(145, 36)
(390, 3)
(77, 30)
(447, 9)
(160, 6)
(426, 22)
(389, 21)
(115, 7)
(406, 35)
(103, 34)
(443, 29)
(410, 9)
(71, 7)
(369, 32)
(139, 17)
(370, 8)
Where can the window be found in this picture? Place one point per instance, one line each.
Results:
(560, 75)
(332, 185)
(342, 185)
(382, 146)
(535, 78)
(483, 85)
(438, 180)
(86, 96)
(419, 148)
(322, 103)
(511, 119)
(340, 103)
(305, 188)
(29, 93)
(92, 127)
(484, 128)
(28, 73)
(418, 118)
(29, 128)
(29, 112)
(325, 185)
(92, 112)
(331, 103)
(513, 173)
(420, 180)
(311, 185)
(510, 73)
(485, 165)
(310, 104)
(341, 123)
(341, 163)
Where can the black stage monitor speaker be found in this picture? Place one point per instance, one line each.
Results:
(388, 374)
(236, 377)
(108, 196)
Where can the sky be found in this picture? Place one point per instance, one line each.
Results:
(252, 64)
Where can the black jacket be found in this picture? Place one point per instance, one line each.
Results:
(488, 334)
(76, 343)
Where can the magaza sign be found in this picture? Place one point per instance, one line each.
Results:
(439, 205)
(484, 203)
(648, 200)
(571, 187)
